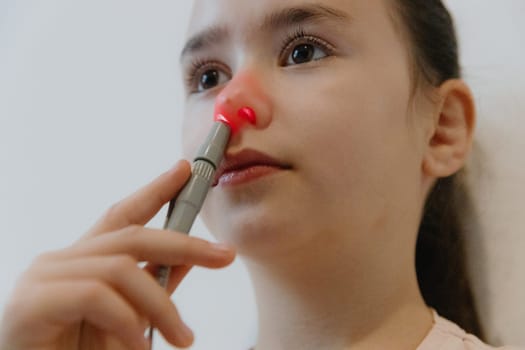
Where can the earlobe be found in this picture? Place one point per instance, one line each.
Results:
(451, 138)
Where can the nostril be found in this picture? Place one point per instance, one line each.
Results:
(247, 114)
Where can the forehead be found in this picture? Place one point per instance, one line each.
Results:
(243, 16)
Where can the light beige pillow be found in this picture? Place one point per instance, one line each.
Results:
(497, 180)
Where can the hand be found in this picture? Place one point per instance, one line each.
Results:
(93, 295)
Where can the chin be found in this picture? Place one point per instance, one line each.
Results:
(254, 230)
(266, 217)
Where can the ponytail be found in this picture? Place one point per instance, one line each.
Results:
(441, 264)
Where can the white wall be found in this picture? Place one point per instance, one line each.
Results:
(492, 35)
(89, 106)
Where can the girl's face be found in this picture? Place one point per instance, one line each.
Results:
(330, 83)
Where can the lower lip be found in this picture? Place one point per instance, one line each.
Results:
(250, 174)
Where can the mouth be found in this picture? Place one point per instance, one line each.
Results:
(246, 166)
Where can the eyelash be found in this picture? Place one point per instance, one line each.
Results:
(302, 37)
(200, 66)
(298, 37)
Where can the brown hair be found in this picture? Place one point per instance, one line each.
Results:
(441, 262)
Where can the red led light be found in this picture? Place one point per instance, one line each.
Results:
(245, 115)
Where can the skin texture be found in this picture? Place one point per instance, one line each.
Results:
(329, 244)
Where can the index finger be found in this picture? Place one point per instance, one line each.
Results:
(141, 206)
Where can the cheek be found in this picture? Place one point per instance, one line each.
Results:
(345, 117)
(365, 110)
(356, 128)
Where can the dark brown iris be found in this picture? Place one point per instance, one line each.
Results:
(303, 53)
(210, 79)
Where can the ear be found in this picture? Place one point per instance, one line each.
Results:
(450, 139)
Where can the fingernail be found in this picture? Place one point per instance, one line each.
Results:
(145, 338)
(176, 165)
(146, 344)
(222, 247)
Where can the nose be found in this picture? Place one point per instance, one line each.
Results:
(243, 103)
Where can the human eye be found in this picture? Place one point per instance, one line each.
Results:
(301, 48)
(205, 75)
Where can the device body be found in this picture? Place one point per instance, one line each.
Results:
(185, 207)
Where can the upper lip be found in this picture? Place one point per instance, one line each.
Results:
(245, 159)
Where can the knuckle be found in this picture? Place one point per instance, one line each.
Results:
(45, 257)
(131, 238)
(113, 214)
(93, 291)
(42, 257)
(112, 211)
(122, 263)
(132, 230)
(19, 312)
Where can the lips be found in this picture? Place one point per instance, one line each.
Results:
(245, 166)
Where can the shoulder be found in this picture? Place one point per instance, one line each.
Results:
(446, 335)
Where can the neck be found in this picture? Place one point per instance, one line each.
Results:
(306, 301)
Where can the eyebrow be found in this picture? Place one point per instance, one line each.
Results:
(297, 15)
(284, 18)
(211, 36)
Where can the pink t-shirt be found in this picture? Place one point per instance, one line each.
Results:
(446, 335)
